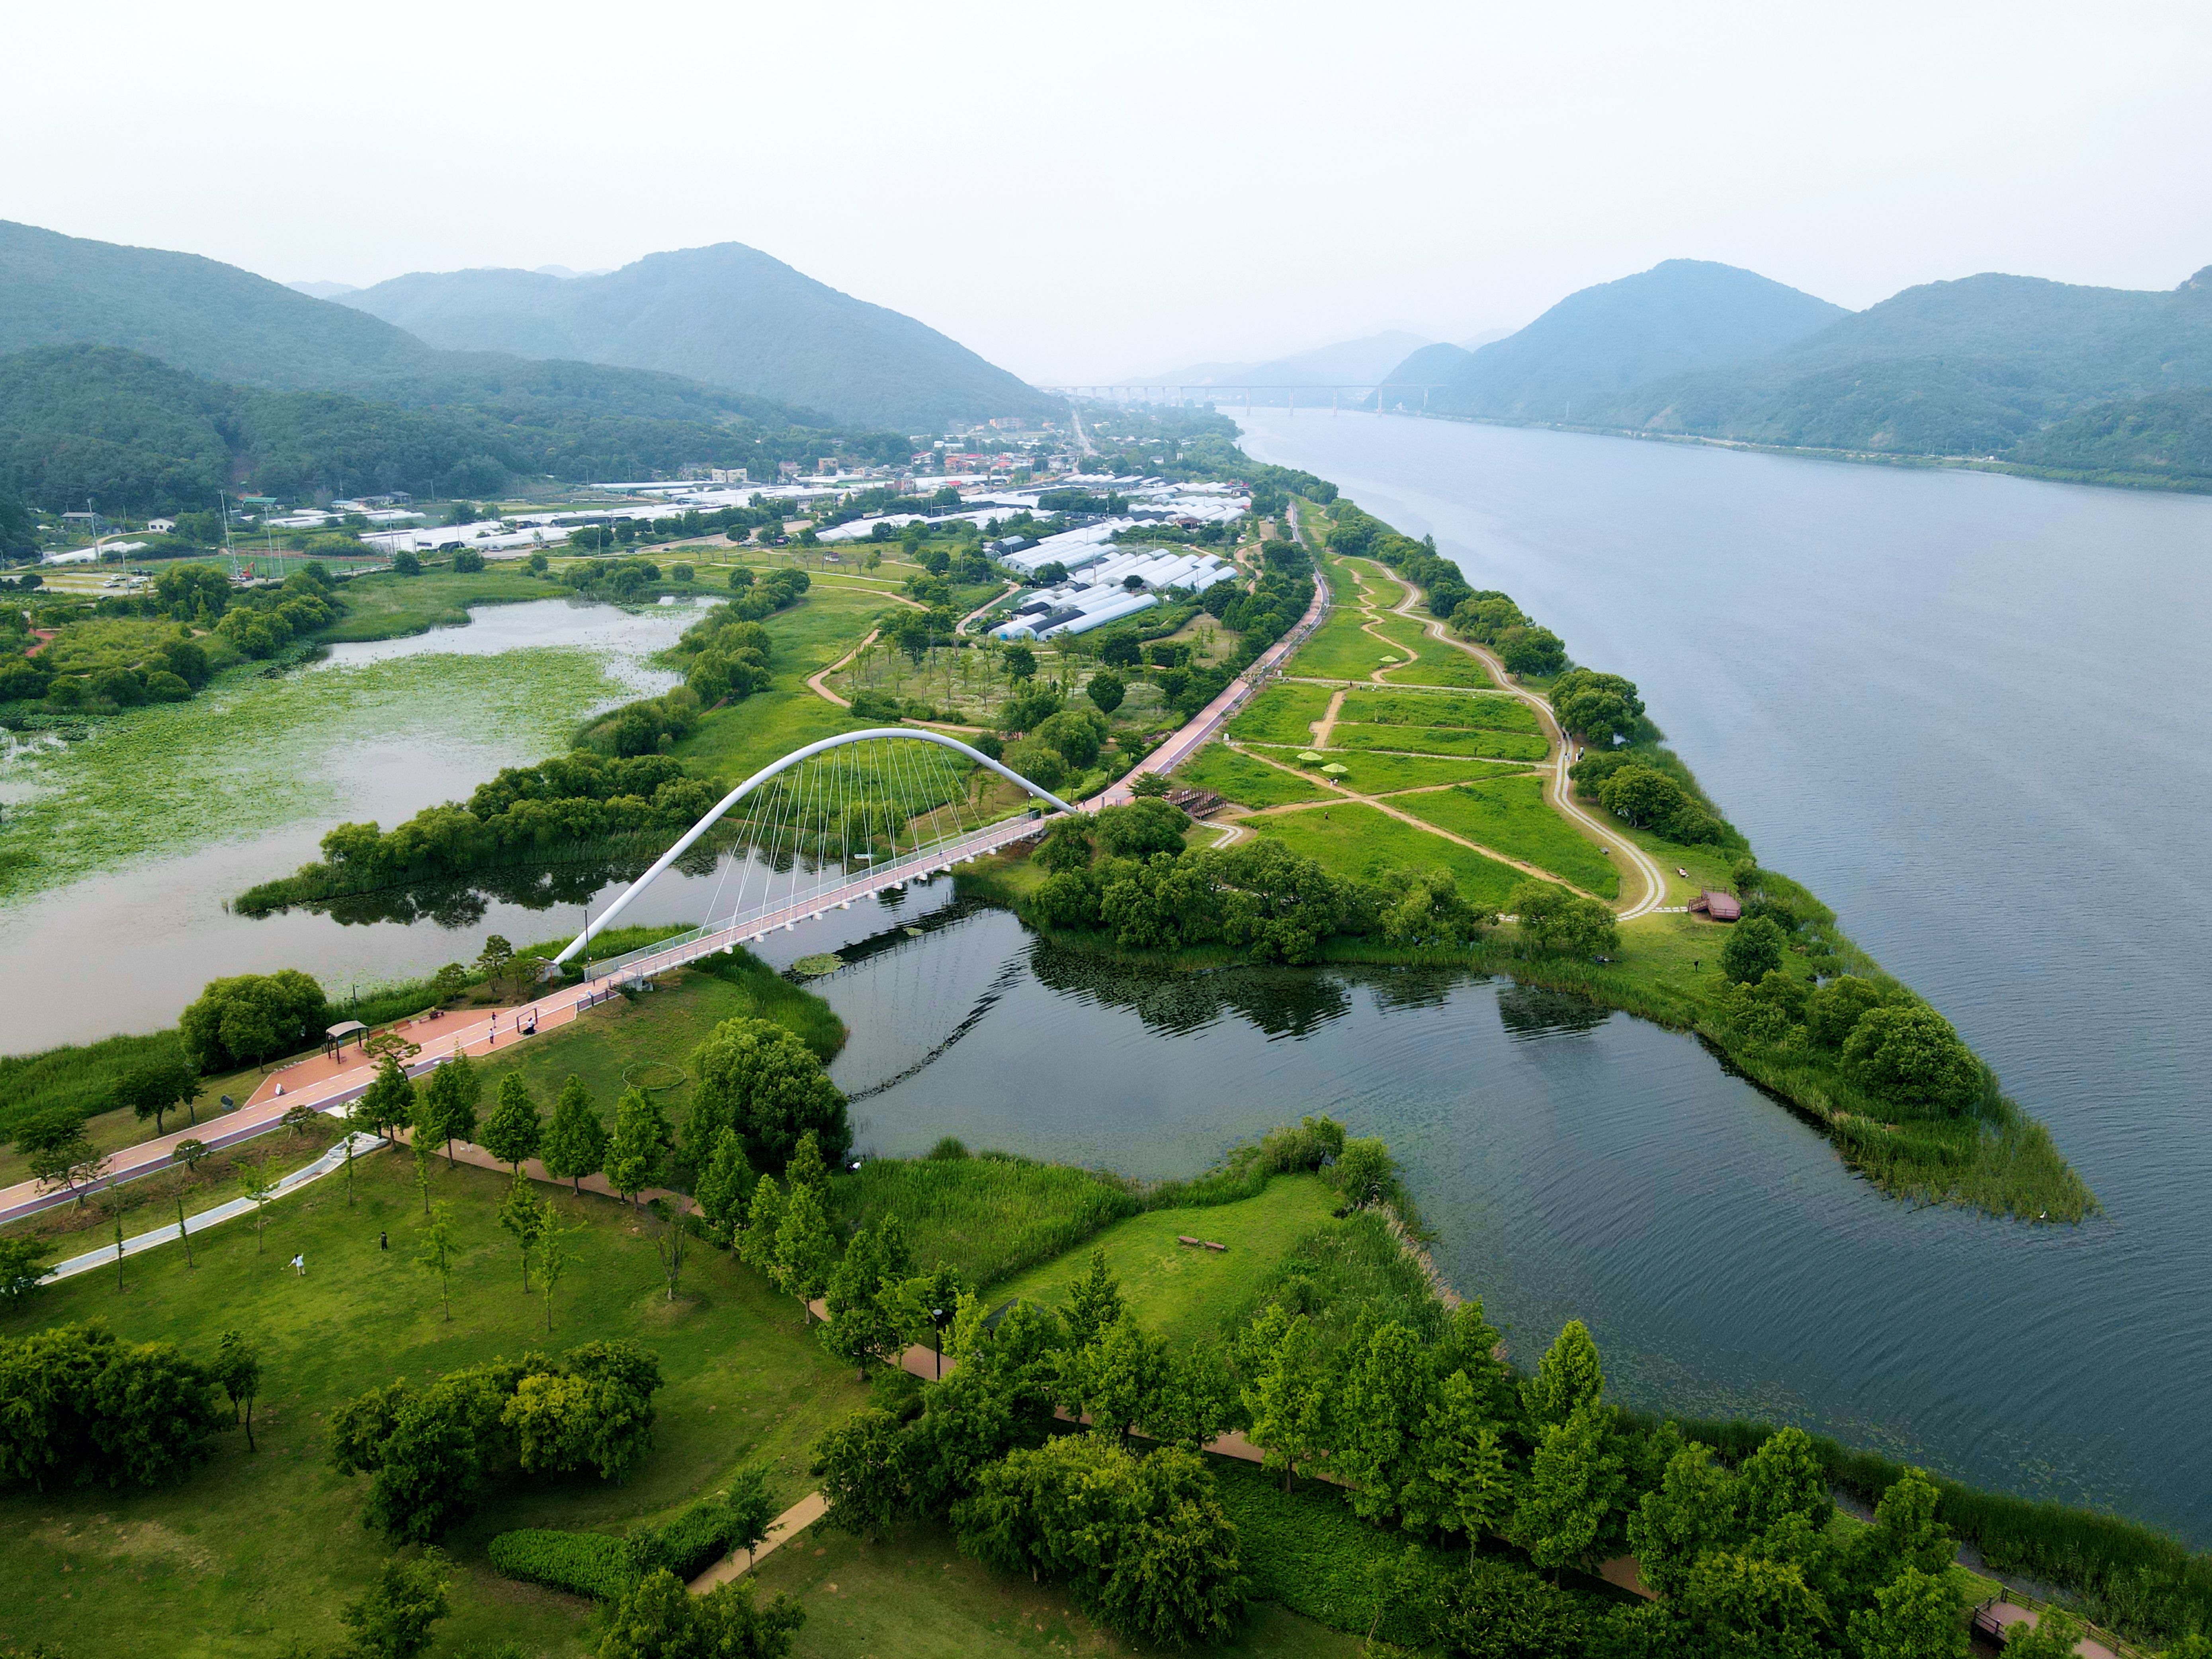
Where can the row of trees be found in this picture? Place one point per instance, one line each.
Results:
(1626, 784)
(433, 1452)
(78, 1406)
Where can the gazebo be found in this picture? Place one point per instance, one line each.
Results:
(337, 1036)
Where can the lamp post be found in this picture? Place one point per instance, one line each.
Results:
(937, 1318)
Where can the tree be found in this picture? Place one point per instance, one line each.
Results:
(75, 1164)
(393, 1619)
(554, 1261)
(513, 1131)
(860, 1466)
(756, 1077)
(448, 982)
(42, 1132)
(1148, 786)
(1915, 1616)
(255, 1182)
(669, 1243)
(725, 1189)
(639, 1146)
(863, 1320)
(22, 1266)
(1569, 1378)
(806, 1167)
(446, 1111)
(189, 1154)
(1107, 689)
(1381, 1409)
(298, 1119)
(525, 1218)
(494, 961)
(1492, 1611)
(1094, 1302)
(1573, 1490)
(1067, 845)
(1020, 662)
(246, 1018)
(1554, 922)
(1467, 1483)
(659, 1619)
(1910, 1056)
(763, 1218)
(1747, 1606)
(1753, 950)
(1692, 1513)
(805, 1248)
(574, 1144)
(238, 1369)
(1115, 1378)
(388, 1103)
(1905, 1534)
(157, 1089)
(1193, 1401)
(388, 1044)
(1285, 1394)
(440, 1250)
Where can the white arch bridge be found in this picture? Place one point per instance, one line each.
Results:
(837, 820)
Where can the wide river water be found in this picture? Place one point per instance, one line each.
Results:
(1965, 709)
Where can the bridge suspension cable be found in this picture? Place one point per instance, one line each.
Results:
(837, 820)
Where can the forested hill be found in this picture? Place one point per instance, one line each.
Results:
(230, 324)
(2110, 384)
(1594, 345)
(727, 314)
(139, 437)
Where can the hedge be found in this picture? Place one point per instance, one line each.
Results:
(604, 1567)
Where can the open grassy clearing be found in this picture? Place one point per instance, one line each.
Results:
(1353, 840)
(733, 741)
(1440, 740)
(646, 1042)
(387, 606)
(1495, 714)
(1283, 713)
(1376, 775)
(917, 1596)
(1245, 779)
(1177, 1291)
(1341, 649)
(1438, 663)
(989, 1216)
(1512, 816)
(255, 1553)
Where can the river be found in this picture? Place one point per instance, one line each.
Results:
(1966, 710)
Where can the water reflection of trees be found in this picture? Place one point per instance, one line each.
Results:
(1280, 1001)
(463, 903)
(1530, 1012)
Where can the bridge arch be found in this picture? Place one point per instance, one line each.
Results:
(799, 757)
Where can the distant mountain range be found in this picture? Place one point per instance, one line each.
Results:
(728, 315)
(2106, 382)
(1348, 362)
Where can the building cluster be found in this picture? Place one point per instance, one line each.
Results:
(1111, 583)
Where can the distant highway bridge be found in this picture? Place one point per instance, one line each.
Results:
(1334, 394)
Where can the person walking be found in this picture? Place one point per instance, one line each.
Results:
(300, 1265)
(384, 1241)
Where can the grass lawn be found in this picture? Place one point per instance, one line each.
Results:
(255, 1553)
(1439, 663)
(1376, 774)
(1358, 840)
(1439, 740)
(1512, 816)
(917, 1596)
(386, 605)
(1241, 779)
(987, 1215)
(648, 1041)
(1179, 1292)
(1500, 714)
(732, 743)
(1341, 649)
(1283, 713)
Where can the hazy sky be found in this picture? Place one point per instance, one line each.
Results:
(1079, 191)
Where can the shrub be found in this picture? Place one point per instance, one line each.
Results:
(1753, 950)
(467, 561)
(593, 1564)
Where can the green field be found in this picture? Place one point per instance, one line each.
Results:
(1358, 840)
(1440, 740)
(1378, 775)
(1495, 713)
(387, 606)
(646, 1041)
(255, 1553)
(1241, 779)
(1511, 816)
(914, 1596)
(1439, 663)
(1283, 713)
(1179, 1292)
(988, 1216)
(734, 742)
(1341, 649)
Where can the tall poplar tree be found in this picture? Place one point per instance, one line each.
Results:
(574, 1145)
(513, 1132)
(804, 1250)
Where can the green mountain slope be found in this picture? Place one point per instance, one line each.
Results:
(217, 320)
(729, 315)
(1678, 316)
(136, 436)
